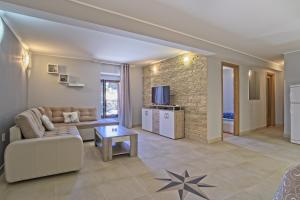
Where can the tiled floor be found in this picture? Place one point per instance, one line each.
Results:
(246, 167)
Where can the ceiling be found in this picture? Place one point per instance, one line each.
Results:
(52, 38)
(266, 29)
(263, 30)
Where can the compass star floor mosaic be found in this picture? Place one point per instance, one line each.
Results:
(242, 168)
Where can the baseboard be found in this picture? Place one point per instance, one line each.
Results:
(260, 128)
(249, 131)
(214, 140)
(136, 125)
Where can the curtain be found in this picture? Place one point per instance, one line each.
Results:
(125, 109)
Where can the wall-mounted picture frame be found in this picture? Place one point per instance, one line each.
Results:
(63, 78)
(53, 69)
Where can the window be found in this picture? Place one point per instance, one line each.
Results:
(109, 98)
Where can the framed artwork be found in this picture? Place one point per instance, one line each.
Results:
(63, 78)
(52, 68)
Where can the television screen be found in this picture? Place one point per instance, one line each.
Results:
(161, 95)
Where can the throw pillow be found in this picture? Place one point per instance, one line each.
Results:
(47, 123)
(71, 117)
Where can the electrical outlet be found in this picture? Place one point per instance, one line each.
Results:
(3, 137)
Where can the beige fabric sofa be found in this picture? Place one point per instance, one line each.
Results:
(42, 153)
(87, 117)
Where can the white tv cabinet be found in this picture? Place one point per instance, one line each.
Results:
(167, 121)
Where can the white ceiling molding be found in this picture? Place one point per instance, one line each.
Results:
(2, 16)
(170, 29)
(289, 52)
(78, 58)
(159, 61)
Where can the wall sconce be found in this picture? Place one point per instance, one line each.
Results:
(250, 73)
(25, 59)
(154, 69)
(25, 62)
(186, 60)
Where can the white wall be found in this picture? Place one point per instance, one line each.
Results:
(228, 91)
(252, 113)
(44, 90)
(291, 76)
(279, 95)
(13, 84)
(214, 98)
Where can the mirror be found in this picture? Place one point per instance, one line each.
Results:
(254, 86)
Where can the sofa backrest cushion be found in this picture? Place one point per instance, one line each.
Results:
(37, 116)
(26, 121)
(46, 111)
(55, 114)
(86, 114)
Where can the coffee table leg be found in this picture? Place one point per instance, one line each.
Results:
(133, 145)
(107, 149)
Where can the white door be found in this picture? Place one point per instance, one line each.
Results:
(147, 119)
(295, 123)
(166, 123)
(295, 94)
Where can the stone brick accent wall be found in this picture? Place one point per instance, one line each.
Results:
(188, 83)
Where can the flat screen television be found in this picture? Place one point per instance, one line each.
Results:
(161, 95)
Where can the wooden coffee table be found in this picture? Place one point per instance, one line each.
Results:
(116, 140)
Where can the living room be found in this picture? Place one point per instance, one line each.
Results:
(118, 79)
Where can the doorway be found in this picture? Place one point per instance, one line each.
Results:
(230, 99)
(270, 99)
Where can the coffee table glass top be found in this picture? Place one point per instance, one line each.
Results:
(114, 131)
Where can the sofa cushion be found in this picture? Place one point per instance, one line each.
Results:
(47, 123)
(46, 111)
(86, 114)
(42, 110)
(63, 130)
(71, 117)
(37, 116)
(57, 113)
(89, 124)
(27, 123)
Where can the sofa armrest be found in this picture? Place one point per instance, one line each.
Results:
(14, 134)
(32, 158)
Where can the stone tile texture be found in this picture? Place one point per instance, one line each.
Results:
(188, 83)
